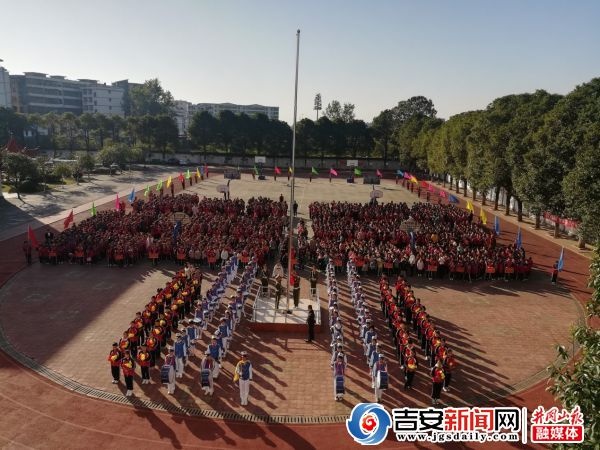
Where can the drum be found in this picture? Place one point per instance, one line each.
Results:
(339, 385)
(167, 374)
(205, 377)
(382, 380)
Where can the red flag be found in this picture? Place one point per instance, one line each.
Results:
(277, 170)
(424, 184)
(117, 203)
(430, 188)
(379, 174)
(206, 170)
(333, 172)
(407, 175)
(31, 236)
(68, 220)
(180, 177)
(442, 194)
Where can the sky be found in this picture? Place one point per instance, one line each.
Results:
(462, 54)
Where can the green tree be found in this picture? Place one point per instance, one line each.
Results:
(69, 129)
(86, 163)
(203, 130)
(383, 128)
(11, 124)
(577, 383)
(34, 123)
(19, 169)
(163, 132)
(414, 106)
(333, 111)
(115, 153)
(318, 104)
(88, 123)
(150, 98)
(306, 138)
(51, 122)
(228, 123)
(347, 115)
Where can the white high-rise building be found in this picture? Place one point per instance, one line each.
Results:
(102, 99)
(183, 116)
(5, 95)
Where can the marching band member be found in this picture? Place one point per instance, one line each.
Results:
(243, 374)
(167, 371)
(381, 377)
(339, 371)
(114, 358)
(179, 355)
(143, 359)
(215, 351)
(128, 367)
(207, 367)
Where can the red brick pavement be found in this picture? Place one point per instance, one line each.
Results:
(39, 413)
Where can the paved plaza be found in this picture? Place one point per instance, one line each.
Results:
(503, 333)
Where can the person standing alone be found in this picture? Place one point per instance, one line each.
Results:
(310, 321)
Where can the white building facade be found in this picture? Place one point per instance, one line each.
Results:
(5, 95)
(102, 98)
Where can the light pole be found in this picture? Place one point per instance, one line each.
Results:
(291, 225)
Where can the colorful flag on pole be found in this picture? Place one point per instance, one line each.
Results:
(333, 172)
(482, 216)
(277, 170)
(399, 173)
(290, 170)
(314, 171)
(442, 194)
(519, 241)
(169, 181)
(255, 170)
(357, 171)
(413, 179)
(147, 191)
(132, 196)
(561, 260)
(117, 203)
(497, 225)
(198, 172)
(181, 177)
(469, 206)
(159, 186)
(379, 174)
(424, 183)
(407, 175)
(93, 211)
(452, 198)
(206, 170)
(430, 188)
(188, 175)
(68, 220)
(31, 236)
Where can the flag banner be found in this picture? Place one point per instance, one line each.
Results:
(31, 236)
(407, 175)
(519, 240)
(255, 170)
(169, 181)
(93, 211)
(357, 172)
(497, 225)
(333, 172)
(452, 198)
(379, 174)
(68, 220)
(277, 170)
(442, 194)
(181, 178)
(469, 206)
(314, 171)
(290, 170)
(198, 172)
(117, 203)
(206, 170)
(159, 186)
(561, 260)
(430, 188)
(132, 196)
(147, 191)
(399, 173)
(188, 175)
(414, 180)
(483, 217)
(424, 184)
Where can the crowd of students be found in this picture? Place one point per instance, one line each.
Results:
(426, 239)
(207, 233)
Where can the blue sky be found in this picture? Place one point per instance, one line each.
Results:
(461, 54)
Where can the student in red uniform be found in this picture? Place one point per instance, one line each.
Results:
(114, 358)
(143, 359)
(449, 363)
(437, 378)
(128, 367)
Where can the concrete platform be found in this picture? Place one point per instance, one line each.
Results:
(266, 318)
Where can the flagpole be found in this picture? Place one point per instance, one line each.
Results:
(291, 225)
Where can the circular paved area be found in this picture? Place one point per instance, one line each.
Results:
(98, 301)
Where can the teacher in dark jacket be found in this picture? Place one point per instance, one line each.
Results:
(310, 320)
